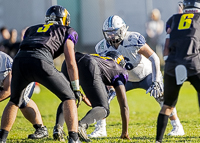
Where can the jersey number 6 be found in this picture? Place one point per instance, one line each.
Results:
(185, 21)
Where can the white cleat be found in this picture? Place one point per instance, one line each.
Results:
(177, 129)
(100, 130)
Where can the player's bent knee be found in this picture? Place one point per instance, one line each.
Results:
(107, 112)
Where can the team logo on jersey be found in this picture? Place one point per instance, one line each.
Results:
(51, 17)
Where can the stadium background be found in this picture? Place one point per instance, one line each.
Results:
(87, 16)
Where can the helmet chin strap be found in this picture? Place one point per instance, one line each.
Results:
(116, 45)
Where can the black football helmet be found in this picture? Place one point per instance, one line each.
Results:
(58, 14)
(191, 4)
(117, 57)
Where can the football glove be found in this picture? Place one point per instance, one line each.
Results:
(79, 97)
(156, 90)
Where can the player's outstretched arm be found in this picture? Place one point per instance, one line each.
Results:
(122, 100)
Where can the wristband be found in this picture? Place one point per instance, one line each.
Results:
(167, 36)
(75, 85)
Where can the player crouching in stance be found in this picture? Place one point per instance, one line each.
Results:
(95, 73)
(182, 63)
(27, 106)
(142, 64)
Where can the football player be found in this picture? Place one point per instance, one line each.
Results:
(34, 62)
(27, 106)
(142, 64)
(94, 73)
(182, 58)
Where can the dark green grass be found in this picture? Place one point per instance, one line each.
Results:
(143, 117)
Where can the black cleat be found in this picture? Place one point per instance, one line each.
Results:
(39, 133)
(82, 132)
(70, 140)
(58, 133)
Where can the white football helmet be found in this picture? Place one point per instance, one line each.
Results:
(114, 30)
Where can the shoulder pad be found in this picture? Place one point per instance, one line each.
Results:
(6, 62)
(101, 47)
(133, 39)
(73, 35)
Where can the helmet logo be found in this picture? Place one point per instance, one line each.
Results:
(52, 16)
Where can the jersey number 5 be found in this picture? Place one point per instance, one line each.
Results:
(44, 28)
(185, 21)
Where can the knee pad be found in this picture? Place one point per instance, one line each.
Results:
(107, 112)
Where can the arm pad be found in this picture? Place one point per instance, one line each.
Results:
(155, 67)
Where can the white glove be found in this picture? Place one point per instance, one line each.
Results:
(156, 90)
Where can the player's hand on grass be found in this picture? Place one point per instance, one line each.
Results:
(125, 136)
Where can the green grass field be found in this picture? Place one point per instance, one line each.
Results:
(143, 117)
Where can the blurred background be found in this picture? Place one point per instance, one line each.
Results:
(87, 17)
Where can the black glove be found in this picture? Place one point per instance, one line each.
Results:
(78, 96)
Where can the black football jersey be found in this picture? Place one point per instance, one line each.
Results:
(49, 36)
(184, 43)
(110, 70)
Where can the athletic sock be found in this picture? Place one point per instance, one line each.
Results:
(60, 116)
(73, 135)
(37, 126)
(3, 135)
(161, 126)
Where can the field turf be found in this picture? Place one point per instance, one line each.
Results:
(143, 117)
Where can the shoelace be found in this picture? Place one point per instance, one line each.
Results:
(39, 131)
(97, 127)
(175, 128)
(61, 131)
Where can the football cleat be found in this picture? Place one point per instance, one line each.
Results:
(177, 129)
(58, 133)
(82, 132)
(100, 129)
(70, 140)
(39, 133)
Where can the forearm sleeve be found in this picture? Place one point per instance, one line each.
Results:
(155, 66)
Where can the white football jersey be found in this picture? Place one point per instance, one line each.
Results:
(137, 65)
(5, 66)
